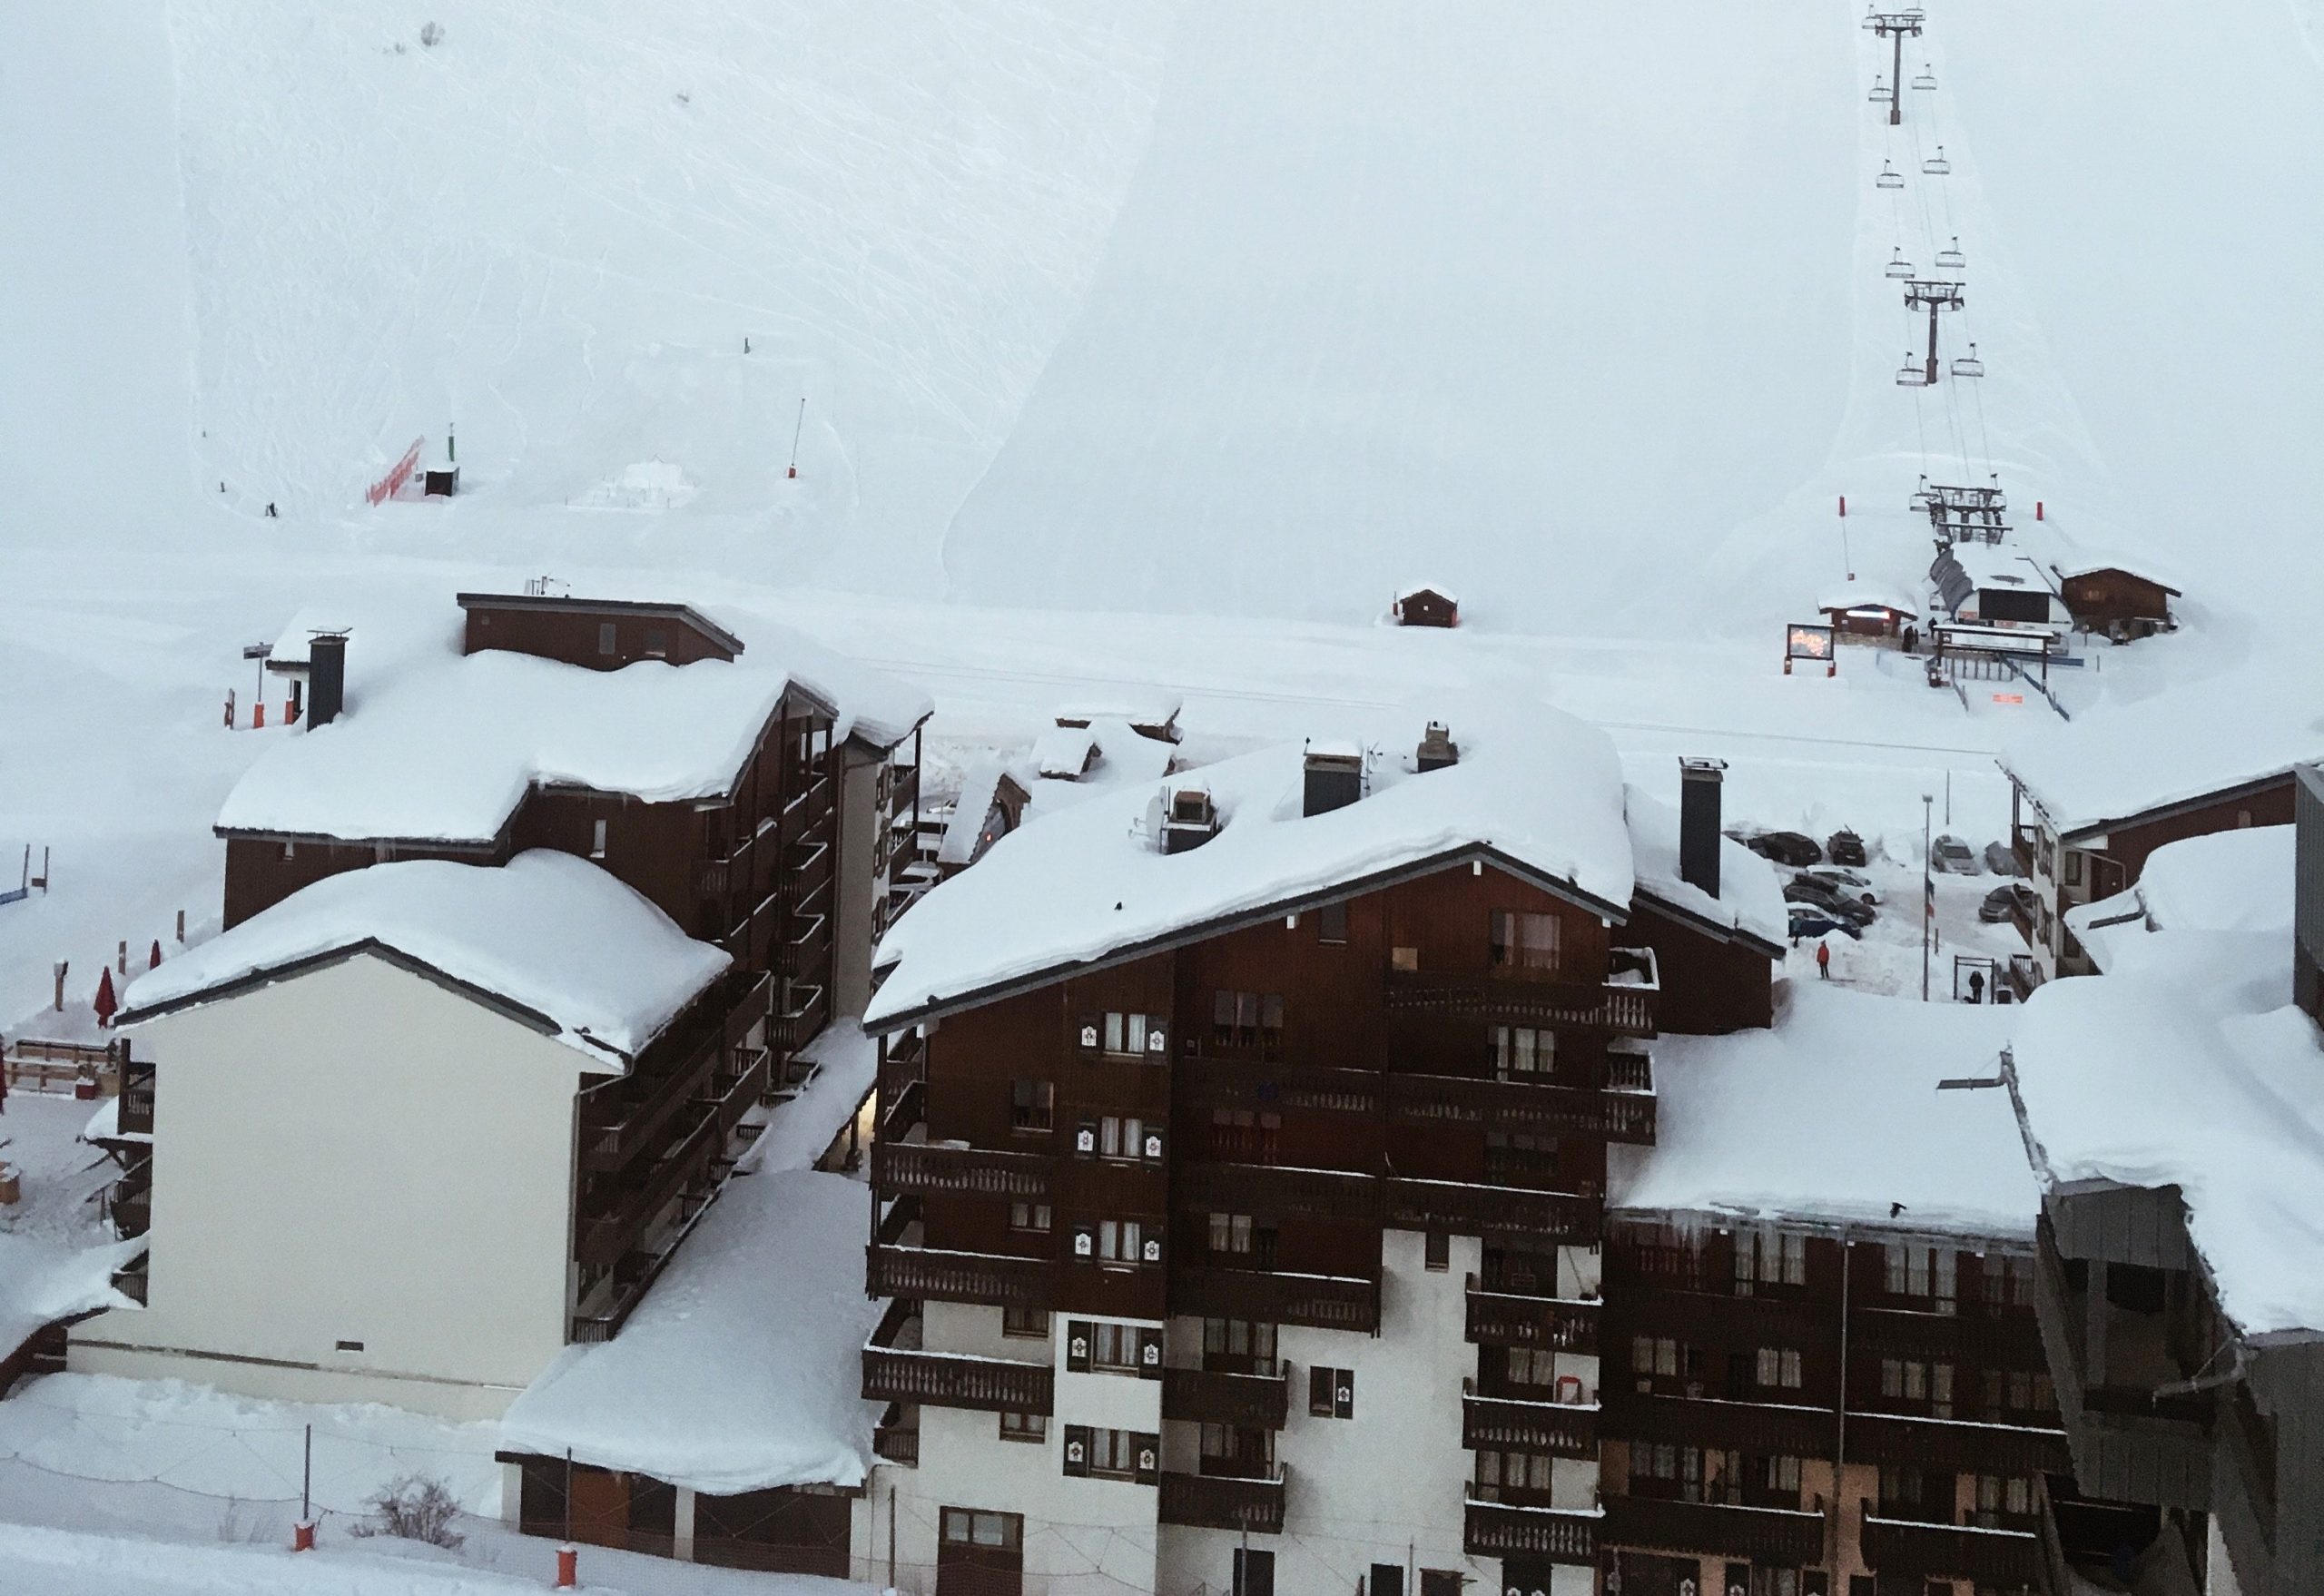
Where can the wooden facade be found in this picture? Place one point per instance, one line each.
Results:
(2118, 603)
(1425, 607)
(597, 635)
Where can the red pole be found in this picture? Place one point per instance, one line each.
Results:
(568, 1571)
(2037, 509)
(1844, 507)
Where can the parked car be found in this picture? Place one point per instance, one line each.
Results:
(2000, 859)
(1829, 900)
(1806, 921)
(2006, 898)
(1785, 848)
(1844, 848)
(1950, 854)
(1846, 882)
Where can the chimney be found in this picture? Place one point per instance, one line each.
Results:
(1437, 748)
(1190, 819)
(1698, 839)
(325, 677)
(1335, 777)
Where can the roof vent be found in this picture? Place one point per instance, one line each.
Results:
(325, 677)
(1190, 819)
(1335, 777)
(1698, 805)
(1437, 748)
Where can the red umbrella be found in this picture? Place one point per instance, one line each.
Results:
(156, 962)
(106, 1003)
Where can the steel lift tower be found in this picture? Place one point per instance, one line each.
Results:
(1898, 25)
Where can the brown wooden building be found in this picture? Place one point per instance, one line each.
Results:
(1425, 607)
(2122, 603)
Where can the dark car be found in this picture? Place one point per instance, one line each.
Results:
(2004, 900)
(1828, 900)
(1844, 848)
(1809, 921)
(1949, 852)
(2000, 860)
(1786, 848)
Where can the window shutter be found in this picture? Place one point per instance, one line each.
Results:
(1079, 1334)
(1152, 1148)
(1342, 1394)
(1084, 1139)
(1090, 1033)
(1158, 1038)
(1149, 1354)
(1738, 1578)
(1085, 1243)
(1147, 1452)
(1149, 1246)
(1076, 1449)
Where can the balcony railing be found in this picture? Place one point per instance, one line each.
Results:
(1963, 1446)
(1562, 1535)
(1499, 1318)
(1469, 1209)
(1557, 1428)
(1248, 1402)
(2021, 848)
(1323, 1302)
(992, 1279)
(897, 1436)
(905, 1112)
(644, 1103)
(1623, 1009)
(1771, 1535)
(1521, 1106)
(902, 1169)
(136, 1111)
(953, 1380)
(1743, 1426)
(1217, 1502)
(1214, 1082)
(613, 1231)
(1267, 1189)
(1910, 1550)
(131, 1279)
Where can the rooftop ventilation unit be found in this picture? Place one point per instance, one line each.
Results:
(1437, 748)
(1335, 777)
(1190, 819)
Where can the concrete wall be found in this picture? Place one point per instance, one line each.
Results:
(859, 883)
(362, 1155)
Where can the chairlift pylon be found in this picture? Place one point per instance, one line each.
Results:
(1889, 178)
(1927, 76)
(1952, 260)
(1968, 365)
(1912, 374)
(1936, 165)
(1898, 266)
(1880, 94)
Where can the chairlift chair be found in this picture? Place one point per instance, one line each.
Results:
(1913, 11)
(1889, 178)
(1936, 165)
(1912, 374)
(1952, 260)
(1968, 365)
(1927, 77)
(1880, 94)
(1921, 495)
(1898, 266)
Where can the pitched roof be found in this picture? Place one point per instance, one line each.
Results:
(586, 959)
(684, 613)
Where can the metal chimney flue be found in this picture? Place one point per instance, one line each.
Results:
(325, 677)
(1699, 817)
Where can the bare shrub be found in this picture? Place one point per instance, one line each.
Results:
(415, 1508)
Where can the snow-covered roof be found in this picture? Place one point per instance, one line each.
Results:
(2006, 566)
(739, 1370)
(978, 789)
(105, 1125)
(546, 931)
(873, 707)
(447, 753)
(1062, 753)
(846, 1061)
(2120, 761)
(1539, 791)
(2186, 1065)
(1750, 893)
(1833, 1115)
(1872, 593)
(44, 1282)
(1414, 590)
(1135, 709)
(2227, 882)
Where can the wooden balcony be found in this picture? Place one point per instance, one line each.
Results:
(993, 1279)
(905, 1169)
(1270, 1190)
(1521, 1106)
(1248, 1402)
(903, 1113)
(1216, 1501)
(1207, 1081)
(1618, 1009)
(636, 1117)
(1781, 1535)
(903, 789)
(1554, 1429)
(2008, 1340)
(897, 1436)
(1560, 1534)
(622, 1225)
(1469, 1209)
(1743, 1426)
(1323, 1302)
(136, 1111)
(1500, 1318)
(2022, 839)
(1963, 1446)
(130, 1279)
(993, 1385)
(1906, 1550)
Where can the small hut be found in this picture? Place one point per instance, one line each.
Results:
(1425, 607)
(1870, 611)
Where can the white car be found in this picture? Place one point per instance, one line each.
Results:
(1840, 879)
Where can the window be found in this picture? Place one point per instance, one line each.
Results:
(1124, 1242)
(1769, 1257)
(604, 638)
(1940, 1391)
(1230, 1234)
(1121, 1136)
(1236, 1346)
(1513, 1471)
(1525, 941)
(2001, 1497)
(657, 643)
(597, 839)
(1532, 1366)
(1781, 1475)
(1033, 1427)
(1113, 1454)
(1666, 1470)
(1031, 1105)
(1331, 925)
(1029, 1217)
(1780, 1366)
(1026, 1323)
(1520, 1051)
(1668, 1253)
(1113, 1348)
(989, 1532)
(1404, 959)
(1902, 1491)
(1331, 1393)
(1236, 1452)
(1440, 1581)
(1904, 1380)
(1773, 1581)
(1254, 1573)
(1387, 1579)
(1247, 1020)
(2030, 1392)
(1914, 1270)
(2008, 1282)
(2074, 867)
(1436, 1251)
(1134, 1035)
(1658, 1355)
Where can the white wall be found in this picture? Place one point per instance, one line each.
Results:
(857, 886)
(356, 1154)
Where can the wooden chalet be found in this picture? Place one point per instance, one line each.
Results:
(2114, 599)
(1870, 612)
(1425, 607)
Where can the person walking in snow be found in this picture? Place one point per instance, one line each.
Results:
(1823, 961)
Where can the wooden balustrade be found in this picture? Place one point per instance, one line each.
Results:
(1273, 1190)
(952, 1380)
(900, 1168)
(1905, 1549)
(1217, 1502)
(1779, 1536)
(1324, 1302)
(1620, 1008)
(1466, 1208)
(1563, 1535)
(1553, 1429)
(1521, 1106)
(1499, 1318)
(1249, 1401)
(993, 1279)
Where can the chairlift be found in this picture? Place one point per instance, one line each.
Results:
(1880, 94)
(1936, 165)
(1912, 374)
(1921, 495)
(1952, 260)
(1913, 11)
(1968, 365)
(1889, 178)
(1898, 266)
(1927, 78)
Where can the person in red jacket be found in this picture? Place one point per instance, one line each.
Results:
(1824, 960)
